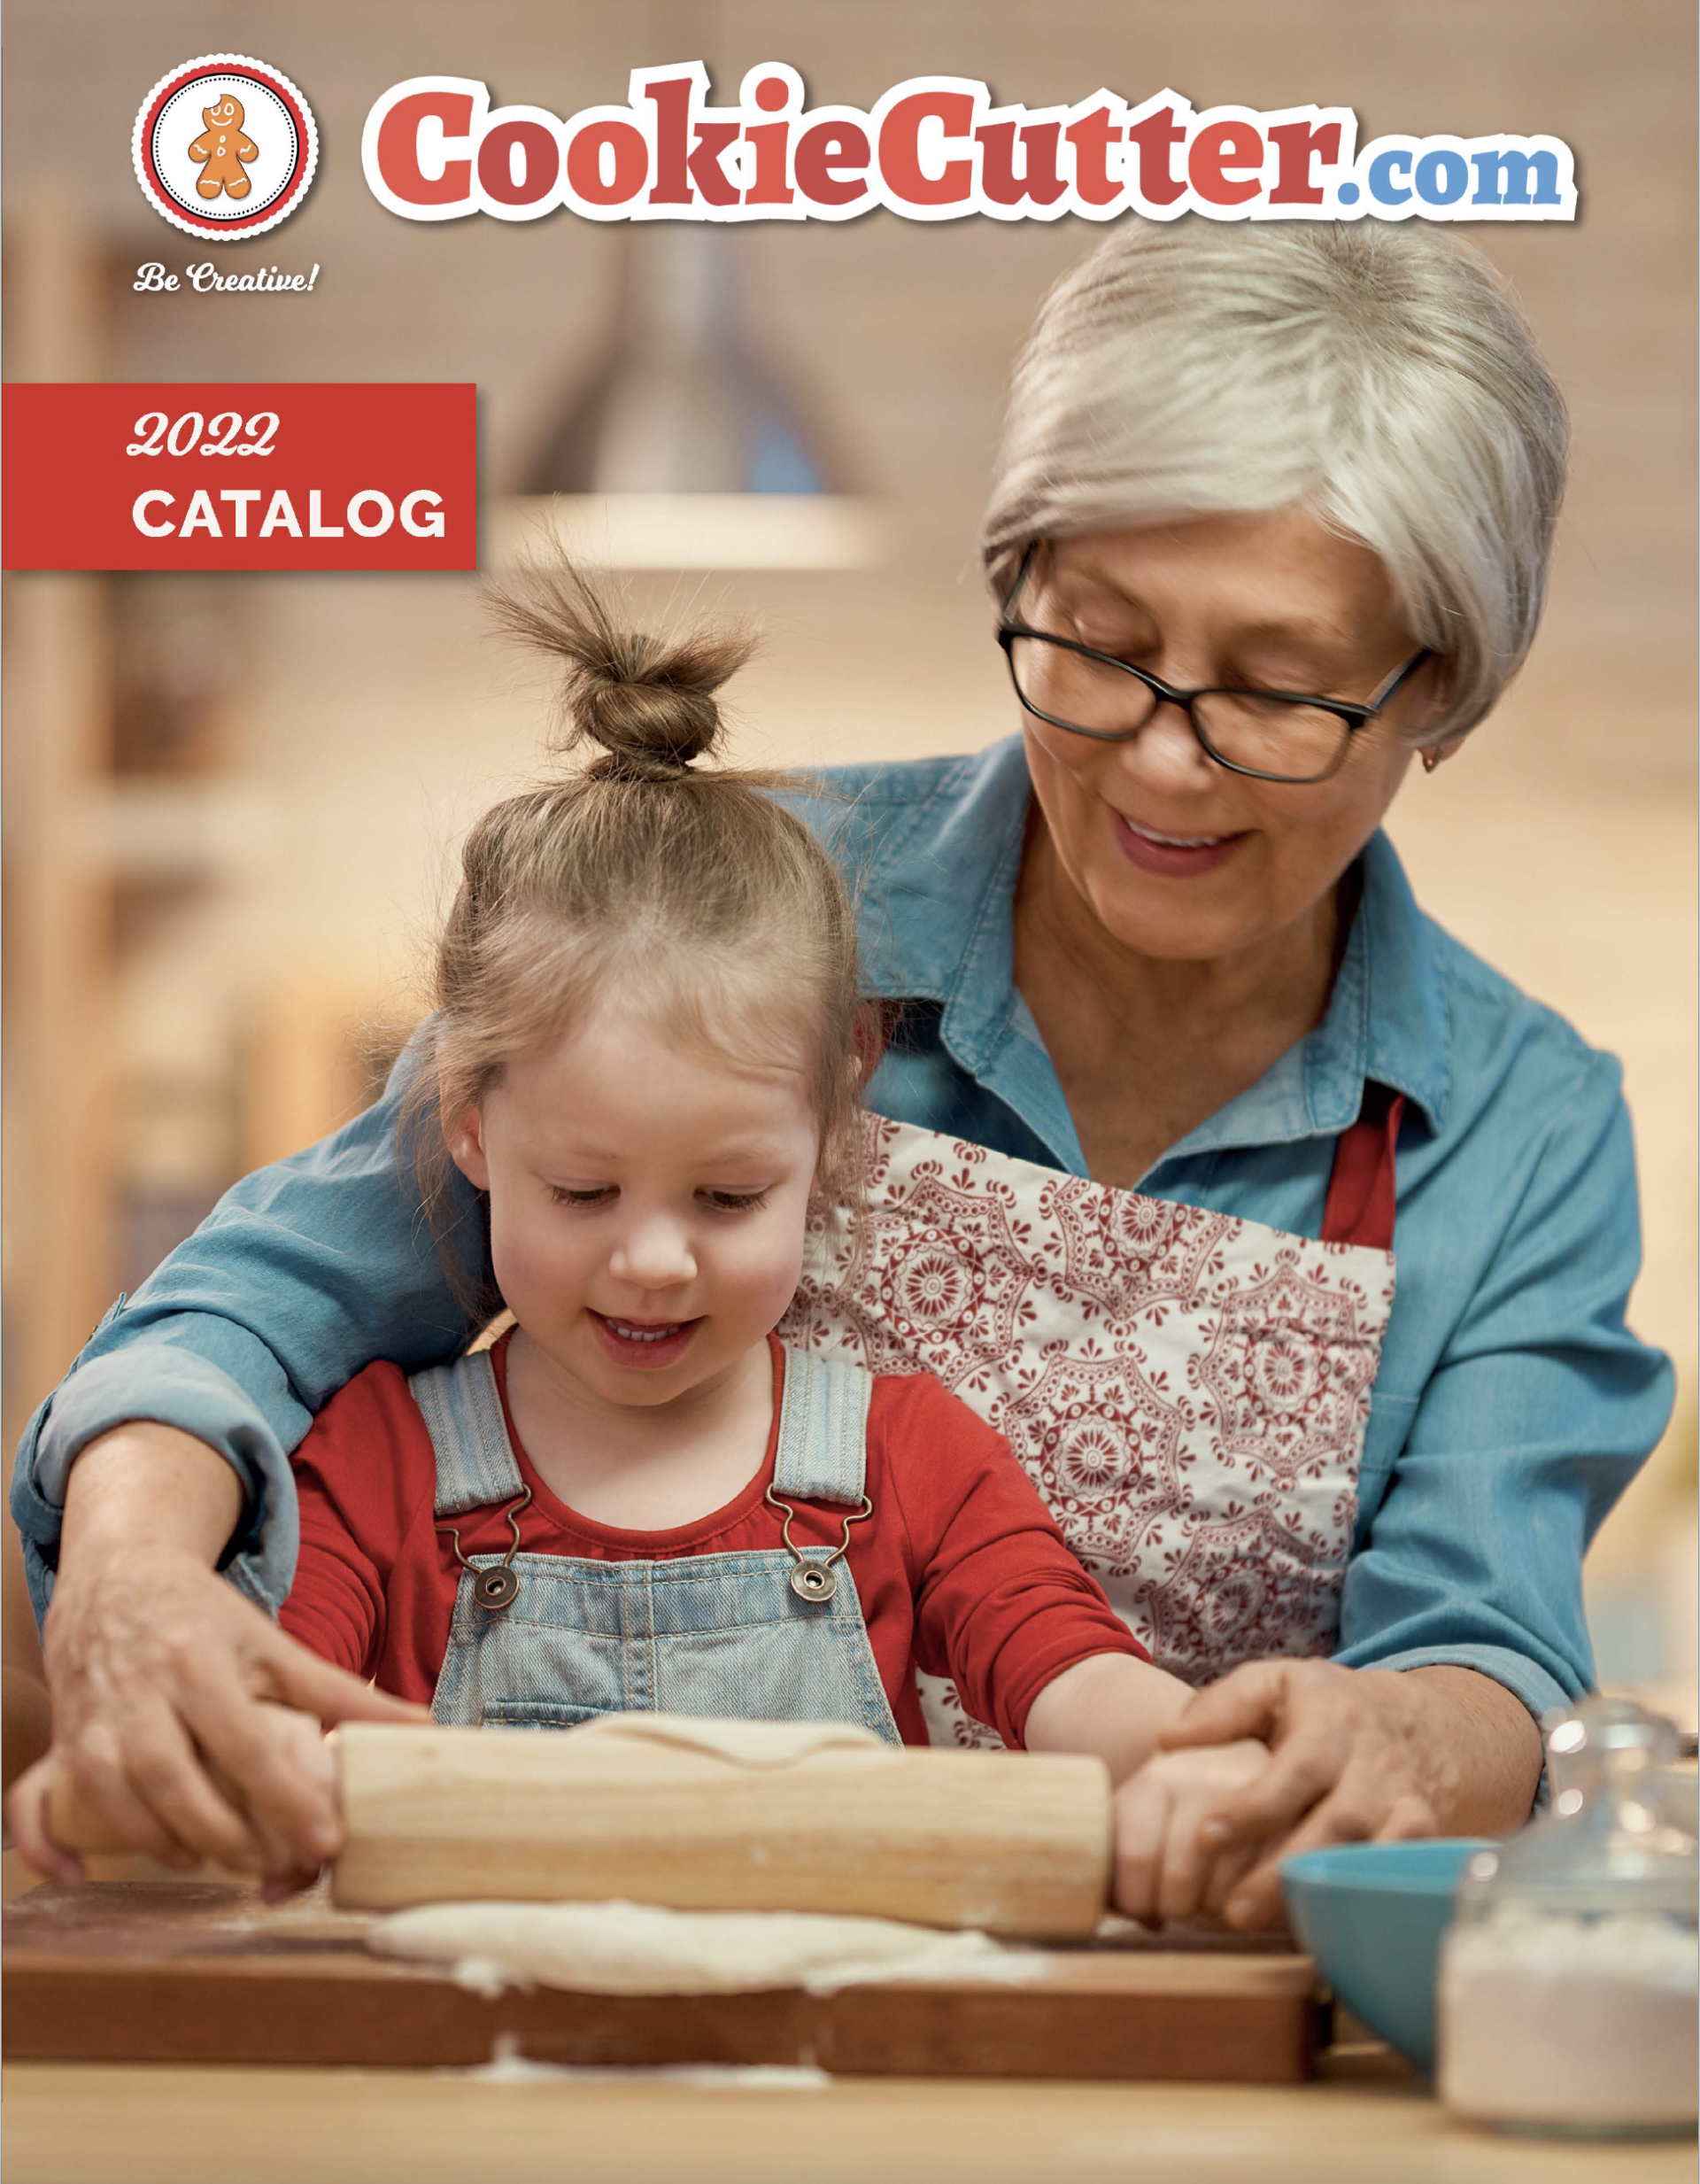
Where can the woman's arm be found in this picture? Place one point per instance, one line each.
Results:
(1539, 1410)
(190, 1395)
(1462, 1613)
(28, 1716)
(302, 1274)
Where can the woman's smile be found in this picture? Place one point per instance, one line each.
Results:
(1173, 856)
(1209, 587)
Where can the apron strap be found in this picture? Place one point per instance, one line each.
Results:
(463, 1415)
(1362, 1189)
(823, 1453)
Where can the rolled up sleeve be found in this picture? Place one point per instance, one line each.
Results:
(302, 1274)
(1543, 1408)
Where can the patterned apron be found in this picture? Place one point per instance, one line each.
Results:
(1188, 1392)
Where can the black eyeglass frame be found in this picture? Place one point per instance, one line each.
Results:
(1355, 716)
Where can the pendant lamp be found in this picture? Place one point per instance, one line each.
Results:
(684, 447)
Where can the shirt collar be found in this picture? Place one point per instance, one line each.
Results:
(941, 925)
(945, 935)
(1409, 1025)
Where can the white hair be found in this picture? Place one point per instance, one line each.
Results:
(1381, 376)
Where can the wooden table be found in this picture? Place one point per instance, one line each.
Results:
(82, 2124)
(1366, 2119)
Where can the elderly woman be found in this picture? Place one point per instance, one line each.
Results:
(1270, 519)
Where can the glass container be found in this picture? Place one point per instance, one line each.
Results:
(1567, 1984)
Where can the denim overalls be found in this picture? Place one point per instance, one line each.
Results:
(767, 1636)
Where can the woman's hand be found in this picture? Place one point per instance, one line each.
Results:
(161, 1674)
(167, 1684)
(37, 1802)
(1355, 1756)
(1164, 1868)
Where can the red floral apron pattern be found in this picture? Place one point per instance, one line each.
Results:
(1188, 1392)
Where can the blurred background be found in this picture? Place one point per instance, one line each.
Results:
(231, 803)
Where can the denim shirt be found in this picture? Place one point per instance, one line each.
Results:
(1512, 1405)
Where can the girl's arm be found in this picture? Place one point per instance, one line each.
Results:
(1113, 1706)
(364, 1475)
(1002, 1606)
(1035, 1649)
(1167, 1867)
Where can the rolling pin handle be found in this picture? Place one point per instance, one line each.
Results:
(76, 1822)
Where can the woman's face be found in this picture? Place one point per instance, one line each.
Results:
(1174, 855)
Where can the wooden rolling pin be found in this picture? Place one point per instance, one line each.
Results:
(797, 1816)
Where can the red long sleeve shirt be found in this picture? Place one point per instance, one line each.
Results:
(960, 1571)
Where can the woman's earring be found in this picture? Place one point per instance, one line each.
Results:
(1432, 757)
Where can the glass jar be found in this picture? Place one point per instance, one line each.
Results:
(1567, 1995)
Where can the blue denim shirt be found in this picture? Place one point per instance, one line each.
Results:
(1512, 1405)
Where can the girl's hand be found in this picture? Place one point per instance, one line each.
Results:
(1164, 1868)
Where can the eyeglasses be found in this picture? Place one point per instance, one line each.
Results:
(1273, 735)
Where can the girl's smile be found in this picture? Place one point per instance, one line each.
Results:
(642, 1345)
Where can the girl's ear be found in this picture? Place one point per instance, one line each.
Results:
(875, 1023)
(465, 1139)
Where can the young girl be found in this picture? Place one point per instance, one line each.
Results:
(647, 1051)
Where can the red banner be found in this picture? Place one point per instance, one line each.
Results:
(241, 477)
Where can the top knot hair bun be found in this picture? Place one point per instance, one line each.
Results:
(648, 700)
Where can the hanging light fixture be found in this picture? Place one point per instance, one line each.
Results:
(683, 448)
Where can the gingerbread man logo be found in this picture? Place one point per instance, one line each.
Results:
(252, 161)
(223, 151)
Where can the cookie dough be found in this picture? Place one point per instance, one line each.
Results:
(746, 1744)
(636, 1949)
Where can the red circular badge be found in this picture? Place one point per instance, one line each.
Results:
(224, 147)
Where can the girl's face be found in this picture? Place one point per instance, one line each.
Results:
(648, 1202)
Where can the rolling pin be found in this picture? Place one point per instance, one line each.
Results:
(709, 1815)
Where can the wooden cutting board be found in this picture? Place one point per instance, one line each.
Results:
(126, 1972)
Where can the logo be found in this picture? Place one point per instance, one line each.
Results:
(224, 147)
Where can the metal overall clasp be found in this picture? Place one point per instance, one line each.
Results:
(498, 1587)
(815, 1580)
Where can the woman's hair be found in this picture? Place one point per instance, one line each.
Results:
(1381, 376)
(687, 892)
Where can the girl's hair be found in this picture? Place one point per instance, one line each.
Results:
(1381, 376)
(687, 892)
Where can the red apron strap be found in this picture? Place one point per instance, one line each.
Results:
(1361, 1190)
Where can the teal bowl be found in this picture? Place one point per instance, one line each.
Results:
(1372, 1916)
